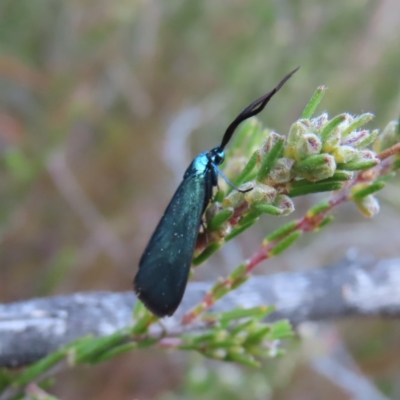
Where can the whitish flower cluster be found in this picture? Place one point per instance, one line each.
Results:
(316, 148)
(317, 155)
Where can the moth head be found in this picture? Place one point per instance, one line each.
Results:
(217, 156)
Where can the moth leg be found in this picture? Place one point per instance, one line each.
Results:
(229, 182)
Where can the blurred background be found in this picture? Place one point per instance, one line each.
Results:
(104, 103)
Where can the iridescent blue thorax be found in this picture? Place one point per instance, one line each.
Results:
(205, 167)
(204, 162)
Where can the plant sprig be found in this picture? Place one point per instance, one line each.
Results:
(311, 171)
(318, 155)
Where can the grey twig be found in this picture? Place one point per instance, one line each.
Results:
(32, 329)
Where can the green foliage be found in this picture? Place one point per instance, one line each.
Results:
(318, 155)
(206, 253)
(5, 379)
(239, 336)
(270, 159)
(358, 193)
(286, 242)
(222, 217)
(205, 380)
(389, 136)
(312, 105)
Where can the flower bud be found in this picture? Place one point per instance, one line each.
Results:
(308, 145)
(364, 159)
(234, 199)
(297, 130)
(318, 123)
(366, 155)
(355, 123)
(355, 138)
(389, 137)
(344, 154)
(335, 123)
(268, 144)
(219, 219)
(281, 172)
(368, 205)
(285, 204)
(332, 140)
(317, 167)
(219, 354)
(261, 194)
(213, 210)
(222, 231)
(306, 123)
(348, 120)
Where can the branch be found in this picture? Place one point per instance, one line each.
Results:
(31, 329)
